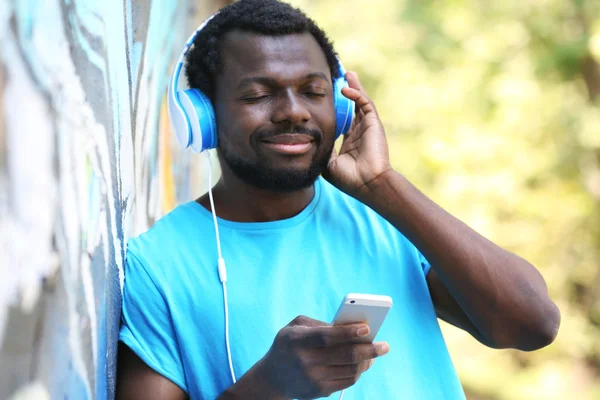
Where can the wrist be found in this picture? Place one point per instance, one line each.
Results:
(377, 188)
(383, 178)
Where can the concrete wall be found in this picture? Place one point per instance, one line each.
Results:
(87, 159)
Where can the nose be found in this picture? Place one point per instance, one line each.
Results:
(290, 108)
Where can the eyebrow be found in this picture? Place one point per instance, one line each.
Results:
(263, 80)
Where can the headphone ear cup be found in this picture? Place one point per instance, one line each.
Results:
(344, 107)
(201, 116)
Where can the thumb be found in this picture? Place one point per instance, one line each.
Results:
(330, 164)
(332, 158)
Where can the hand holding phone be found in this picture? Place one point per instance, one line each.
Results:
(311, 358)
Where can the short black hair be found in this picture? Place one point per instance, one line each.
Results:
(267, 17)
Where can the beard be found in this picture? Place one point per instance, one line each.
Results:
(262, 174)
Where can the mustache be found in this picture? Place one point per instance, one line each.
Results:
(316, 134)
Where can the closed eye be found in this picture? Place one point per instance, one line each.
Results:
(313, 94)
(253, 99)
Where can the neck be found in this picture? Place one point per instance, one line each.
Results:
(238, 201)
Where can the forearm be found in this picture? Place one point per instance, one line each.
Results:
(253, 385)
(503, 295)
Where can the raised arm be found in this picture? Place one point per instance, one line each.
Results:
(500, 298)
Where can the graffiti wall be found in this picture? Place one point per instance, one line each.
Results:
(87, 159)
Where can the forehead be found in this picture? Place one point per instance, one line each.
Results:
(249, 54)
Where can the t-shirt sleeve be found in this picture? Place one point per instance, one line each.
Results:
(424, 263)
(146, 324)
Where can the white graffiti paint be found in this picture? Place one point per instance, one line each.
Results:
(27, 229)
(32, 391)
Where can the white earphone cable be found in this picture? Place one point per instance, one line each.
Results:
(227, 333)
(221, 266)
(212, 209)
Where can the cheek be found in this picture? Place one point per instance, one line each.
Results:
(325, 119)
(235, 125)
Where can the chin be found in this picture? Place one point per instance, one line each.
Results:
(291, 165)
(282, 180)
(288, 180)
(275, 173)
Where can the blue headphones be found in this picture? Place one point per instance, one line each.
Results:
(193, 117)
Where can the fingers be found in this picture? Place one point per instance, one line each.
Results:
(348, 371)
(341, 384)
(346, 376)
(353, 80)
(363, 103)
(357, 93)
(352, 353)
(327, 336)
(338, 377)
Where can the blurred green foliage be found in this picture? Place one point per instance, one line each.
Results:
(492, 109)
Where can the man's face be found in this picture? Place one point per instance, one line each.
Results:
(274, 109)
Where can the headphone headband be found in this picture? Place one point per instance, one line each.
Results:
(177, 113)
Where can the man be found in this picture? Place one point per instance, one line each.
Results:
(301, 226)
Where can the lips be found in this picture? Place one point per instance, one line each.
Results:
(289, 143)
(290, 138)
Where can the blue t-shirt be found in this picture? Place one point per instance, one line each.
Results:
(173, 314)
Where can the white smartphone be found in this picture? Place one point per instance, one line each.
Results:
(368, 308)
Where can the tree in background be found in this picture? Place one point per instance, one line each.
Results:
(491, 108)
